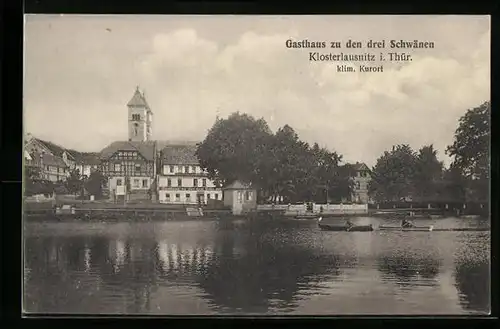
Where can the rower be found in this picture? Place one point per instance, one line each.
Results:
(406, 223)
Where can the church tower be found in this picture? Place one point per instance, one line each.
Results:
(140, 118)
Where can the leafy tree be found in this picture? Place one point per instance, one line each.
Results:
(394, 174)
(74, 183)
(470, 150)
(428, 175)
(95, 183)
(234, 148)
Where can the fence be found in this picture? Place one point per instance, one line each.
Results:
(294, 209)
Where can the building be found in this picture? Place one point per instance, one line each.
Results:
(140, 118)
(85, 162)
(240, 197)
(47, 157)
(130, 167)
(361, 177)
(181, 179)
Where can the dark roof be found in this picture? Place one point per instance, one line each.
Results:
(179, 154)
(237, 185)
(161, 144)
(358, 166)
(54, 148)
(138, 100)
(51, 160)
(146, 149)
(91, 158)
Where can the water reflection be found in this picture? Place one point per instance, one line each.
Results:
(409, 269)
(201, 267)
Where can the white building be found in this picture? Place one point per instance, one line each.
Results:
(181, 179)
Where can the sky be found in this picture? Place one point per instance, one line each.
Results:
(81, 71)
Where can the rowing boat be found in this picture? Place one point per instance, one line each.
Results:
(406, 229)
(346, 228)
(306, 216)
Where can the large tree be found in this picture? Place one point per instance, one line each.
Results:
(470, 150)
(74, 183)
(94, 184)
(428, 176)
(394, 174)
(235, 148)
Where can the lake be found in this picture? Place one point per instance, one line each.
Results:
(253, 268)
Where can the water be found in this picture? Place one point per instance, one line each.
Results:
(241, 267)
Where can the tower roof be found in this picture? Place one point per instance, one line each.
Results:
(138, 100)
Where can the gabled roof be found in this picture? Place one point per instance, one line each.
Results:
(138, 100)
(237, 185)
(146, 149)
(53, 148)
(51, 160)
(360, 166)
(179, 154)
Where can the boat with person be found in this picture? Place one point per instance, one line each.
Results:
(428, 228)
(347, 227)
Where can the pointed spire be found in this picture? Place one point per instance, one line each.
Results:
(138, 100)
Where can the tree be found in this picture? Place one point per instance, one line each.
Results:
(94, 183)
(234, 149)
(394, 174)
(470, 150)
(428, 174)
(74, 183)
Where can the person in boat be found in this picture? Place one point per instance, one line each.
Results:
(406, 223)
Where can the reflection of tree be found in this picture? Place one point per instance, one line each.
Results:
(407, 268)
(473, 281)
(269, 271)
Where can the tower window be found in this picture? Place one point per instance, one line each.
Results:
(136, 125)
(136, 117)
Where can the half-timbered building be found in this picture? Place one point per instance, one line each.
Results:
(130, 168)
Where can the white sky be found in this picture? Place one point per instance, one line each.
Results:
(79, 77)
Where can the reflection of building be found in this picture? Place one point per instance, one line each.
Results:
(361, 177)
(240, 197)
(181, 179)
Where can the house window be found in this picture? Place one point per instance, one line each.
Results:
(48, 168)
(177, 197)
(136, 183)
(240, 196)
(358, 186)
(171, 169)
(169, 182)
(208, 196)
(193, 169)
(204, 181)
(195, 182)
(144, 183)
(137, 167)
(179, 182)
(186, 169)
(216, 196)
(119, 182)
(188, 197)
(247, 196)
(167, 197)
(118, 167)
